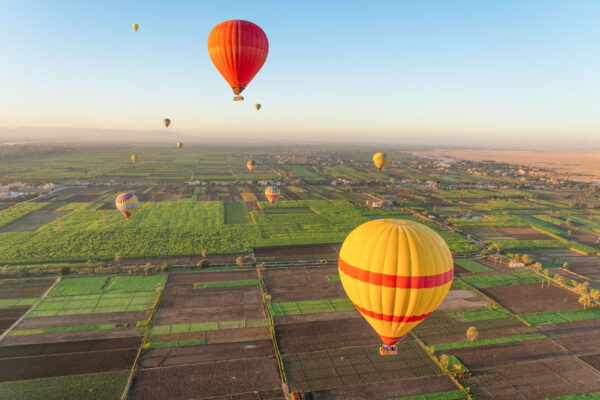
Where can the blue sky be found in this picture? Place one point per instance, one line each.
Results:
(459, 71)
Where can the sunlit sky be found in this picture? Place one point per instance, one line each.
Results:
(416, 71)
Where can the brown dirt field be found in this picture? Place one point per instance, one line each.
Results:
(85, 198)
(23, 288)
(235, 193)
(219, 336)
(524, 299)
(171, 356)
(209, 379)
(191, 278)
(34, 367)
(463, 300)
(441, 327)
(308, 283)
(520, 233)
(71, 336)
(593, 360)
(580, 338)
(537, 379)
(78, 346)
(309, 252)
(8, 316)
(351, 366)
(131, 317)
(289, 195)
(391, 389)
(190, 305)
(507, 354)
(322, 335)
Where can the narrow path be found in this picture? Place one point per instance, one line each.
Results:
(17, 322)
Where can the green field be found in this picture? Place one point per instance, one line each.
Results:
(486, 342)
(206, 326)
(524, 277)
(18, 302)
(309, 307)
(58, 329)
(473, 266)
(220, 284)
(557, 317)
(100, 386)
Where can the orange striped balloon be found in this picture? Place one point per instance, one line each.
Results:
(396, 273)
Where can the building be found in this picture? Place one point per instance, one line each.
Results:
(385, 204)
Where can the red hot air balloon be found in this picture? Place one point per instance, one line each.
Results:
(238, 49)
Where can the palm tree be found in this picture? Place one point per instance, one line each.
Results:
(472, 333)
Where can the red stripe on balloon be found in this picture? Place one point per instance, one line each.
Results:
(397, 281)
(391, 318)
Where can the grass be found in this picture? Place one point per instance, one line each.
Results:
(101, 285)
(20, 302)
(81, 328)
(100, 386)
(205, 326)
(524, 277)
(93, 304)
(333, 278)
(179, 343)
(452, 395)
(236, 213)
(557, 317)
(221, 284)
(486, 342)
(309, 306)
(473, 266)
(19, 210)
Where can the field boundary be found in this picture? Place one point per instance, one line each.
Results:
(22, 317)
(141, 347)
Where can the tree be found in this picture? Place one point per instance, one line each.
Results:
(118, 258)
(566, 265)
(546, 277)
(472, 333)
(203, 253)
(203, 263)
(444, 361)
(585, 299)
(65, 270)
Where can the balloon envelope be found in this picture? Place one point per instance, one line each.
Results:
(179, 145)
(134, 158)
(238, 49)
(251, 164)
(136, 27)
(166, 122)
(258, 106)
(272, 193)
(380, 159)
(396, 273)
(126, 203)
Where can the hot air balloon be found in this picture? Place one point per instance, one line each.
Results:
(134, 158)
(126, 203)
(238, 49)
(380, 159)
(258, 106)
(179, 145)
(166, 122)
(272, 193)
(251, 164)
(136, 27)
(396, 273)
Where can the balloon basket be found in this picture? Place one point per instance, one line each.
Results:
(238, 98)
(388, 350)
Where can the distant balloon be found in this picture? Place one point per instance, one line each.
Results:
(396, 273)
(238, 49)
(258, 106)
(134, 158)
(380, 159)
(126, 203)
(166, 122)
(251, 164)
(272, 193)
(179, 145)
(136, 27)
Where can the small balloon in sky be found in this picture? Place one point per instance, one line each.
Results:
(136, 27)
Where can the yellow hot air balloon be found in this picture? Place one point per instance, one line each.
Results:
(380, 159)
(396, 273)
(251, 164)
(134, 158)
(258, 106)
(136, 27)
(179, 145)
(166, 122)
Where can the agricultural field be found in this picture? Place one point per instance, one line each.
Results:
(211, 291)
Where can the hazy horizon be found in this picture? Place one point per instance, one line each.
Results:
(465, 73)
